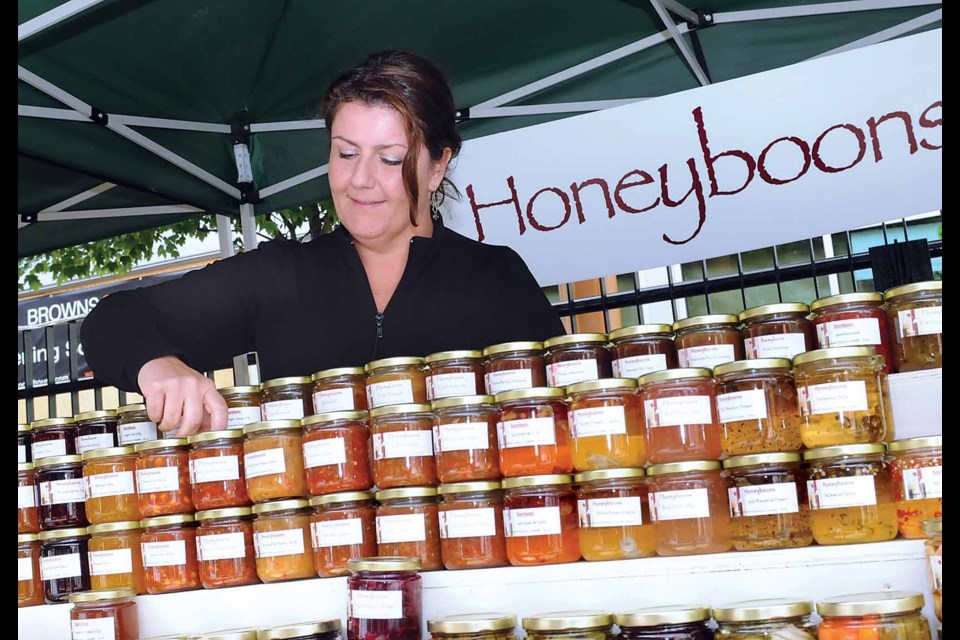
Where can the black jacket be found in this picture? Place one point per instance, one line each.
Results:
(308, 307)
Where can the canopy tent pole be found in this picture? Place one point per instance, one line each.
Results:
(248, 223)
(241, 371)
(888, 34)
(54, 16)
(283, 185)
(91, 214)
(685, 50)
(825, 8)
(133, 121)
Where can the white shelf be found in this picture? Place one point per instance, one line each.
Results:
(917, 402)
(811, 572)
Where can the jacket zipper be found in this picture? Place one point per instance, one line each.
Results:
(379, 318)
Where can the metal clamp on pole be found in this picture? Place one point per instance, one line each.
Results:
(462, 115)
(99, 117)
(240, 132)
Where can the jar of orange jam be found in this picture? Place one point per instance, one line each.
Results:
(471, 525)
(642, 349)
(514, 365)
(408, 525)
(614, 516)
(108, 476)
(28, 517)
(336, 452)
(169, 546)
(163, 477)
(606, 425)
(465, 439)
(273, 460)
(340, 389)
(706, 341)
(917, 473)
(578, 357)
(540, 520)
(533, 434)
(402, 436)
(116, 560)
(281, 538)
(395, 381)
(689, 508)
(680, 414)
(225, 548)
(244, 405)
(108, 614)
(286, 398)
(29, 586)
(217, 480)
(780, 330)
(452, 374)
(883, 614)
(343, 526)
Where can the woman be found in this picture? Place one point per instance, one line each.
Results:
(391, 281)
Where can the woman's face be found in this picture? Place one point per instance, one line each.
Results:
(367, 146)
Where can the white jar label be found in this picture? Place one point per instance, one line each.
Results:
(410, 527)
(135, 432)
(264, 463)
(283, 410)
(104, 485)
(329, 400)
(21, 453)
(58, 567)
(849, 333)
(674, 412)
(239, 417)
(833, 397)
(158, 480)
(93, 441)
(26, 497)
(936, 570)
(49, 448)
(837, 493)
(763, 500)
(171, 553)
(500, 381)
(320, 453)
(925, 321)
(462, 436)
(468, 523)
(106, 563)
(375, 605)
(337, 533)
(778, 345)
(221, 546)
(215, 469)
(610, 512)
(526, 433)
(563, 374)
(402, 444)
(742, 405)
(24, 569)
(598, 421)
(707, 356)
(679, 505)
(381, 394)
(923, 482)
(538, 521)
(636, 366)
(93, 629)
(62, 492)
(451, 385)
(286, 542)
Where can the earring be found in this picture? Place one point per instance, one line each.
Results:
(436, 199)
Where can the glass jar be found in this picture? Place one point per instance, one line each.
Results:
(780, 330)
(109, 614)
(28, 518)
(408, 525)
(768, 501)
(63, 563)
(217, 479)
(453, 374)
(933, 547)
(96, 430)
(606, 425)
(471, 525)
(225, 550)
(29, 587)
(853, 320)
(916, 315)
(343, 526)
(671, 622)
(281, 538)
(578, 357)
(111, 494)
(570, 625)
(286, 398)
(917, 473)
(533, 434)
(384, 599)
(893, 615)
(614, 515)
(465, 439)
(757, 407)
(642, 349)
(163, 477)
(340, 389)
(680, 414)
(540, 520)
(61, 488)
(514, 365)
(134, 425)
(53, 437)
(843, 397)
(244, 405)
(24, 444)
(169, 547)
(273, 460)
(116, 560)
(689, 508)
(322, 630)
(336, 452)
(851, 494)
(706, 341)
(768, 619)
(402, 436)
(395, 381)
(473, 626)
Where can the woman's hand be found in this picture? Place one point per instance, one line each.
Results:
(179, 398)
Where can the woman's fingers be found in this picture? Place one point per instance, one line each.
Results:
(216, 410)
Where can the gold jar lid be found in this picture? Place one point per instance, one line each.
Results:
(384, 564)
(703, 321)
(25, 466)
(340, 498)
(130, 408)
(398, 409)
(464, 354)
(51, 461)
(114, 527)
(270, 425)
(301, 630)
(846, 298)
(95, 415)
(24, 428)
(107, 452)
(933, 526)
(835, 353)
(674, 374)
(229, 634)
(916, 287)
(337, 372)
(105, 594)
(606, 384)
(59, 534)
(567, 620)
(862, 449)
(52, 422)
(608, 474)
(210, 436)
(401, 361)
(470, 623)
(508, 347)
(683, 467)
(220, 514)
(534, 393)
(244, 390)
(667, 614)
(264, 508)
(161, 443)
(461, 401)
(575, 338)
(763, 609)
(774, 309)
(865, 604)
(735, 462)
(163, 521)
(285, 382)
(640, 330)
(912, 444)
(760, 364)
(27, 538)
(548, 480)
(468, 487)
(334, 416)
(406, 492)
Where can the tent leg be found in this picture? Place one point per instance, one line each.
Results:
(241, 372)
(249, 226)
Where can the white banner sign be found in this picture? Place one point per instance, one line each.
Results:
(818, 147)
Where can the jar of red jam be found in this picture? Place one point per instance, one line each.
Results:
(169, 546)
(134, 425)
(465, 439)
(217, 480)
(54, 437)
(680, 412)
(244, 405)
(96, 430)
(343, 526)
(853, 320)
(62, 492)
(706, 341)
(578, 357)
(63, 563)
(29, 586)
(384, 599)
(109, 614)
(340, 389)
(28, 518)
(163, 477)
(225, 549)
(336, 452)
(287, 398)
(408, 525)
(395, 381)
(402, 438)
(514, 365)
(642, 349)
(471, 525)
(540, 520)
(606, 425)
(452, 374)
(780, 330)
(533, 433)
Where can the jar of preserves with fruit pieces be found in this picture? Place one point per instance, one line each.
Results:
(273, 460)
(514, 365)
(340, 389)
(707, 341)
(853, 320)
(471, 525)
(134, 425)
(465, 439)
(454, 374)
(281, 538)
(336, 452)
(395, 381)
(767, 619)
(533, 434)
(244, 405)
(163, 477)
(408, 524)
(62, 493)
(540, 520)
(473, 626)
(225, 548)
(577, 357)
(886, 614)
(288, 398)
(110, 613)
(53, 437)
(64, 568)
(402, 437)
(781, 330)
(642, 349)
(570, 625)
(916, 316)
(169, 547)
(384, 598)
(917, 473)
(343, 526)
(217, 478)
